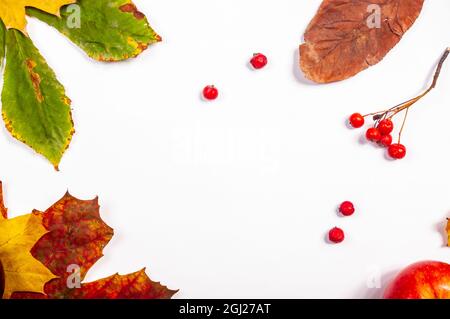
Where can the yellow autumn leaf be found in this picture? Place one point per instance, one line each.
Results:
(22, 272)
(12, 12)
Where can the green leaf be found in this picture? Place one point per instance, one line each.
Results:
(35, 108)
(107, 30)
(2, 43)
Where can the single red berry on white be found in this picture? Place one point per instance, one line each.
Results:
(373, 134)
(397, 151)
(385, 127)
(210, 92)
(347, 208)
(336, 235)
(356, 120)
(386, 140)
(258, 61)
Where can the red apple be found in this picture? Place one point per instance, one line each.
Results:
(423, 280)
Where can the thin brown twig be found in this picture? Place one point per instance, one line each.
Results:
(403, 125)
(390, 113)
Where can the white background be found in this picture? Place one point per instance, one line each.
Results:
(234, 198)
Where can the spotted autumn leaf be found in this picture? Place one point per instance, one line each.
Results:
(46, 255)
(347, 36)
(119, 43)
(35, 107)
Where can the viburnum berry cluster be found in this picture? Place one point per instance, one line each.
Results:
(383, 126)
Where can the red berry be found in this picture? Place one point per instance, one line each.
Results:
(397, 151)
(210, 92)
(385, 126)
(356, 120)
(336, 235)
(258, 61)
(347, 208)
(373, 134)
(386, 140)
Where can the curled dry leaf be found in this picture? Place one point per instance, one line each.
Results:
(110, 30)
(347, 36)
(35, 108)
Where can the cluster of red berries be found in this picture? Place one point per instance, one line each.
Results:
(380, 133)
(337, 235)
(258, 61)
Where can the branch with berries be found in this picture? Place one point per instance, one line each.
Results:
(383, 126)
